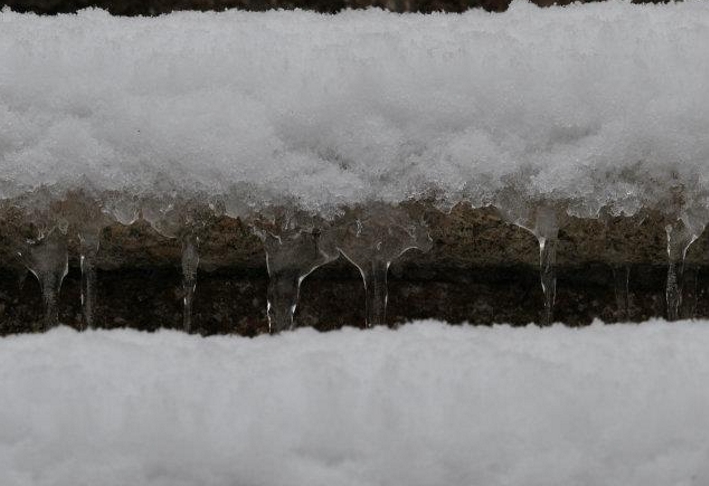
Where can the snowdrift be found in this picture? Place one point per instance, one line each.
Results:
(427, 404)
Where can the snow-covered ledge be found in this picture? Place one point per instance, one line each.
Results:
(547, 164)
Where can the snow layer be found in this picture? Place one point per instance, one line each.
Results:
(427, 404)
(593, 105)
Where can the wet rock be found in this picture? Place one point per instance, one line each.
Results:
(480, 269)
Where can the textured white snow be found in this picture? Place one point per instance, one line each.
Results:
(593, 104)
(428, 404)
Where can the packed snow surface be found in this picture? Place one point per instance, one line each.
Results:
(427, 404)
(603, 104)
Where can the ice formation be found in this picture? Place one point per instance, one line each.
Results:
(184, 219)
(680, 236)
(585, 109)
(543, 222)
(621, 287)
(86, 219)
(293, 251)
(190, 264)
(47, 259)
(371, 238)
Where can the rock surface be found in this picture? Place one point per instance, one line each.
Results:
(480, 269)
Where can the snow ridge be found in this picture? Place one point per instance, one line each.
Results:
(584, 106)
(620, 405)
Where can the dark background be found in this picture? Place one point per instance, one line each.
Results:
(156, 7)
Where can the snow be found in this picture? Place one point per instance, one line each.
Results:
(588, 105)
(426, 404)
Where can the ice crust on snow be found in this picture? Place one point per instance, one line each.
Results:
(426, 404)
(585, 106)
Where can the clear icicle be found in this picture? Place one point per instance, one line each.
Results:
(690, 289)
(621, 279)
(617, 253)
(88, 249)
(673, 291)
(86, 217)
(282, 299)
(547, 232)
(676, 250)
(377, 238)
(375, 286)
(374, 273)
(543, 223)
(190, 263)
(290, 257)
(185, 220)
(47, 259)
(680, 236)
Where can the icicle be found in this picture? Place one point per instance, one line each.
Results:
(689, 307)
(377, 238)
(290, 257)
(47, 259)
(617, 253)
(190, 263)
(547, 231)
(621, 279)
(673, 292)
(88, 248)
(547, 265)
(681, 233)
(375, 286)
(543, 223)
(86, 216)
(184, 220)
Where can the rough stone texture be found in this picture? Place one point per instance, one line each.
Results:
(480, 269)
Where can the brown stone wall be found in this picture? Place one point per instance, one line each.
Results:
(480, 269)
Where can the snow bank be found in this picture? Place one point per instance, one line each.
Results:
(592, 105)
(427, 404)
